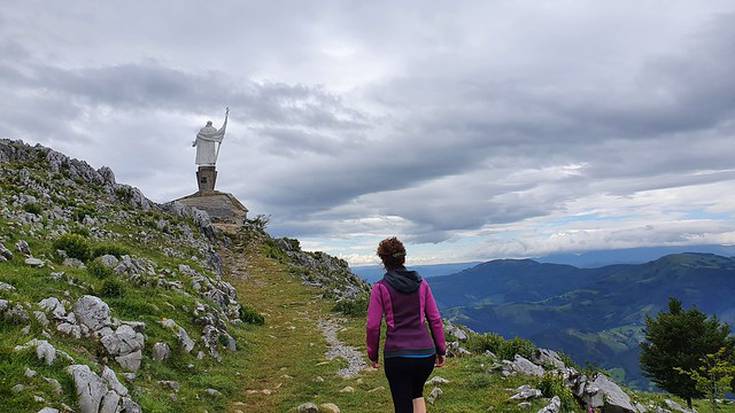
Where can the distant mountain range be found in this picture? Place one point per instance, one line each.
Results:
(592, 314)
(586, 259)
(372, 273)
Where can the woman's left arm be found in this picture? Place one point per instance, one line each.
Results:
(435, 322)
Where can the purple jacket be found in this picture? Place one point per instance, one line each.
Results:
(405, 316)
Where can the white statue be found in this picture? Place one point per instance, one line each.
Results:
(208, 142)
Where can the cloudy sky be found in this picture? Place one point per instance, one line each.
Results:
(472, 130)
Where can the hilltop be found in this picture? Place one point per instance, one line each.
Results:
(112, 303)
(593, 314)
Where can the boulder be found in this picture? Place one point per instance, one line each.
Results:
(554, 406)
(109, 261)
(48, 410)
(6, 288)
(89, 386)
(73, 262)
(34, 262)
(328, 408)
(46, 352)
(131, 362)
(23, 247)
(434, 395)
(92, 312)
(437, 380)
(110, 378)
(123, 341)
(161, 351)
(186, 343)
(54, 306)
(614, 399)
(551, 358)
(676, 407)
(307, 408)
(5, 253)
(522, 365)
(526, 392)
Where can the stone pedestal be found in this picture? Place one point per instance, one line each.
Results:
(221, 206)
(206, 178)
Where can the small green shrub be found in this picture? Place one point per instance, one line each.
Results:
(112, 288)
(76, 246)
(479, 343)
(109, 248)
(82, 211)
(517, 346)
(551, 385)
(357, 307)
(33, 208)
(504, 349)
(250, 316)
(80, 230)
(97, 269)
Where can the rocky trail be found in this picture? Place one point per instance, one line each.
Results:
(297, 350)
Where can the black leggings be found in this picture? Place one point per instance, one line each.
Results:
(406, 377)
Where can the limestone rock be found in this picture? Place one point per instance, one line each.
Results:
(123, 341)
(89, 387)
(186, 343)
(46, 352)
(347, 389)
(328, 408)
(23, 247)
(526, 392)
(5, 253)
(307, 408)
(48, 410)
(109, 261)
(6, 288)
(437, 380)
(131, 362)
(676, 407)
(554, 406)
(522, 365)
(110, 378)
(73, 262)
(546, 357)
(161, 351)
(213, 392)
(17, 315)
(613, 395)
(434, 395)
(92, 312)
(34, 262)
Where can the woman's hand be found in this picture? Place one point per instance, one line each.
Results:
(440, 361)
(374, 364)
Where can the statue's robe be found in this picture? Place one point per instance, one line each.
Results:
(206, 143)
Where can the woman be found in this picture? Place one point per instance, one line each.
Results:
(410, 354)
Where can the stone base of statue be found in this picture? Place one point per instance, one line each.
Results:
(206, 178)
(221, 206)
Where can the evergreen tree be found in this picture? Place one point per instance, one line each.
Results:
(678, 340)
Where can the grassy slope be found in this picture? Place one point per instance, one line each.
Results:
(277, 349)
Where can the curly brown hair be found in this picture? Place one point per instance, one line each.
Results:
(392, 252)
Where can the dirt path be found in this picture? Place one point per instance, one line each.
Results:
(289, 357)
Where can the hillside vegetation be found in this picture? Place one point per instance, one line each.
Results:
(112, 303)
(595, 315)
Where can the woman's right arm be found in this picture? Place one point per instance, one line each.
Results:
(374, 318)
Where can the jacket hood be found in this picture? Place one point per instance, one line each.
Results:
(403, 280)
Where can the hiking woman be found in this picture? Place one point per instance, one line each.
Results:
(410, 353)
